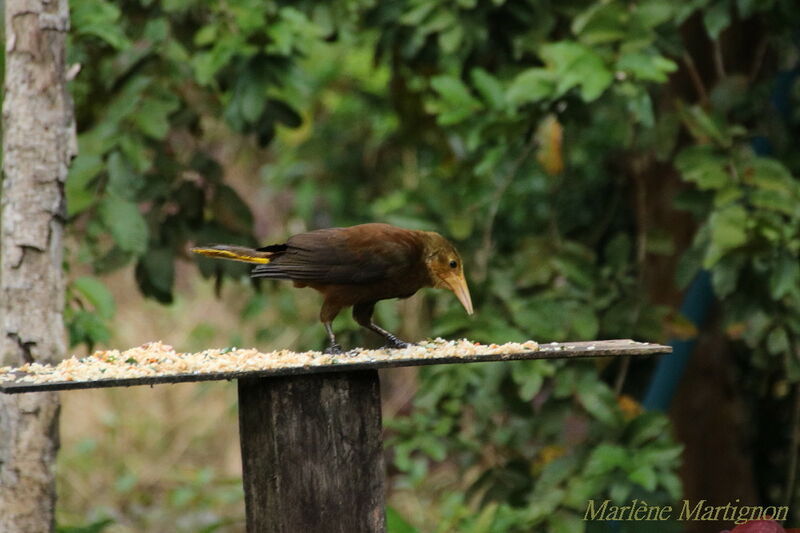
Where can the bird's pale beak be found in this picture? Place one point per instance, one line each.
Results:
(458, 284)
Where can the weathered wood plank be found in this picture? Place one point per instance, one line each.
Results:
(609, 348)
(312, 454)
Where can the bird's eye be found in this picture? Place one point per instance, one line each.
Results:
(453, 264)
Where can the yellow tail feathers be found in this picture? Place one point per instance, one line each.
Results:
(235, 253)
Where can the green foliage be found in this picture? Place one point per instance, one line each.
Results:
(95, 527)
(543, 473)
(395, 523)
(750, 239)
(92, 305)
(152, 85)
(529, 132)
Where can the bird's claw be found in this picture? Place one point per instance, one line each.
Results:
(397, 344)
(334, 349)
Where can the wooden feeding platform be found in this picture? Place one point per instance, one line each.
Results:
(309, 423)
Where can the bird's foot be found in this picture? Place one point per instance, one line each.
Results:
(395, 343)
(334, 349)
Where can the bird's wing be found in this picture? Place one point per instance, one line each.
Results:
(359, 254)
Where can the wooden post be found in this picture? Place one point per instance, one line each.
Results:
(312, 455)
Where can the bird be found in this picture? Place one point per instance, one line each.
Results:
(357, 266)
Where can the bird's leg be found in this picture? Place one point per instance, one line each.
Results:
(333, 347)
(363, 315)
(326, 315)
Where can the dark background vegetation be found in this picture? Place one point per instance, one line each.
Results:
(588, 158)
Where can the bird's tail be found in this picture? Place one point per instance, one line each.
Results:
(235, 253)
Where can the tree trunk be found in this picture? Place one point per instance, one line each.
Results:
(38, 144)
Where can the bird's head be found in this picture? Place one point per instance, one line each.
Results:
(445, 268)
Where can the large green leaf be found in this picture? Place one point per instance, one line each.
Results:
(125, 222)
(531, 85)
(489, 88)
(122, 180)
(704, 167)
(728, 231)
(79, 194)
(97, 294)
(577, 65)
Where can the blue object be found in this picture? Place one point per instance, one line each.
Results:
(695, 307)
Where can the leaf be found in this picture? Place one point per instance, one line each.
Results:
(705, 127)
(159, 267)
(647, 67)
(453, 90)
(641, 107)
(101, 19)
(489, 88)
(156, 30)
(704, 167)
(577, 65)
(395, 523)
(250, 95)
(418, 14)
(125, 223)
(584, 323)
(206, 35)
(599, 401)
(97, 294)
(122, 181)
(456, 103)
(451, 39)
(152, 117)
(606, 458)
(86, 327)
(619, 492)
(531, 85)
(689, 265)
(541, 319)
(566, 522)
(83, 170)
(784, 276)
(716, 18)
(778, 341)
(124, 105)
(646, 427)
(207, 64)
(673, 484)
(135, 151)
(772, 175)
(747, 8)
(644, 476)
(460, 225)
(528, 378)
(661, 455)
(651, 13)
(94, 527)
(725, 274)
(283, 113)
(728, 228)
(601, 23)
(776, 202)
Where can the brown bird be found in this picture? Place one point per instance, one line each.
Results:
(357, 266)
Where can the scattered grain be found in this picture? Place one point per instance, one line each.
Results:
(159, 359)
